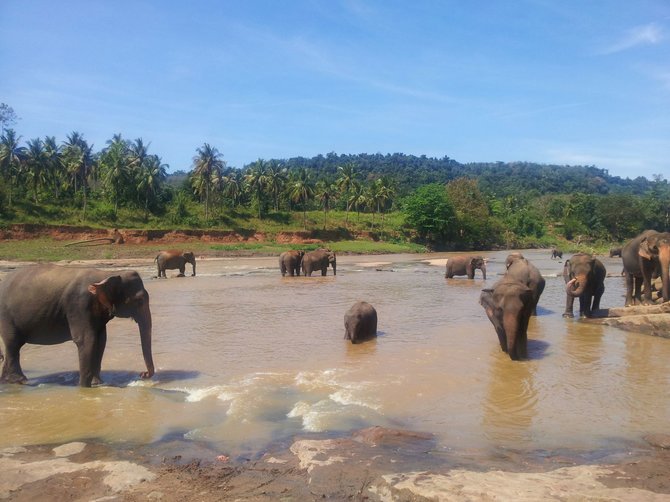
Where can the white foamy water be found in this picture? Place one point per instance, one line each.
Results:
(245, 357)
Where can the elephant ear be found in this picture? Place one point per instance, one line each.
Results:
(645, 250)
(107, 291)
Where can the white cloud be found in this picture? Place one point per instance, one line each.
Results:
(648, 34)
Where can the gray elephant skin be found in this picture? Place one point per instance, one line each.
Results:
(172, 259)
(509, 305)
(556, 253)
(520, 269)
(584, 277)
(290, 262)
(644, 257)
(465, 265)
(360, 322)
(49, 304)
(319, 260)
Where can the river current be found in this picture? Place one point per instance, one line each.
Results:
(245, 358)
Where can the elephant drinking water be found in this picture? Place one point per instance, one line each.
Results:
(49, 304)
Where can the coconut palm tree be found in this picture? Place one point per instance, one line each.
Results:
(138, 154)
(54, 164)
(151, 178)
(301, 191)
(78, 161)
(115, 163)
(12, 157)
(276, 177)
(357, 198)
(207, 166)
(325, 192)
(36, 165)
(233, 187)
(345, 183)
(256, 181)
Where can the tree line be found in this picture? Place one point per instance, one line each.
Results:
(445, 203)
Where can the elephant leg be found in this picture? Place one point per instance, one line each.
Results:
(630, 284)
(569, 304)
(11, 363)
(647, 271)
(182, 270)
(596, 297)
(88, 347)
(97, 363)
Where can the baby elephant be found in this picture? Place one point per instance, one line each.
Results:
(508, 306)
(169, 260)
(360, 322)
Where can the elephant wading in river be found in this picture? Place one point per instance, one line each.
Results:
(465, 265)
(520, 269)
(584, 277)
(643, 257)
(174, 259)
(319, 260)
(509, 305)
(49, 304)
(290, 261)
(360, 322)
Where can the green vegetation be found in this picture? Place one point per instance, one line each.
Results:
(393, 201)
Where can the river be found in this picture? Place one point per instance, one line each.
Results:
(245, 358)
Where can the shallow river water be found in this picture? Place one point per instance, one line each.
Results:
(245, 358)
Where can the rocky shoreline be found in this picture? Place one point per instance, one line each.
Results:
(370, 464)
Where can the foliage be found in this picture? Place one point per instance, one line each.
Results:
(431, 214)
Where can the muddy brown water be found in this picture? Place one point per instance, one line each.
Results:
(245, 358)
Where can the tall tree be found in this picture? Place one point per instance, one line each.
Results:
(233, 187)
(12, 156)
(207, 166)
(153, 174)
(276, 177)
(115, 163)
(347, 177)
(78, 161)
(8, 117)
(325, 193)
(54, 165)
(301, 191)
(257, 182)
(36, 165)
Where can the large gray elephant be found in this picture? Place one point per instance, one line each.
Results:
(520, 269)
(290, 261)
(360, 322)
(509, 305)
(50, 304)
(643, 257)
(173, 259)
(584, 276)
(319, 260)
(465, 265)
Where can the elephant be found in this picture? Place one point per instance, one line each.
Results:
(556, 253)
(584, 277)
(174, 259)
(51, 304)
(290, 261)
(360, 322)
(643, 257)
(319, 260)
(465, 265)
(615, 252)
(509, 305)
(520, 269)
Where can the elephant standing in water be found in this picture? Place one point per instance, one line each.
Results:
(319, 260)
(174, 259)
(49, 304)
(520, 269)
(584, 277)
(509, 305)
(643, 257)
(556, 253)
(465, 265)
(360, 322)
(290, 261)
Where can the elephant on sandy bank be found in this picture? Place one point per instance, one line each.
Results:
(319, 260)
(509, 305)
(173, 259)
(465, 265)
(290, 261)
(644, 257)
(584, 277)
(520, 269)
(360, 322)
(50, 304)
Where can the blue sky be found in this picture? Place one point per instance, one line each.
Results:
(549, 81)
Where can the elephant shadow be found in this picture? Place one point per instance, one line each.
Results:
(542, 311)
(112, 378)
(537, 349)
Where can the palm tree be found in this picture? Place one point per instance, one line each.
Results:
(11, 158)
(276, 177)
(36, 165)
(233, 187)
(357, 198)
(152, 176)
(301, 190)
(207, 166)
(256, 181)
(78, 161)
(326, 193)
(138, 154)
(115, 162)
(345, 182)
(54, 164)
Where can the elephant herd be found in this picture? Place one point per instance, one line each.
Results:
(49, 304)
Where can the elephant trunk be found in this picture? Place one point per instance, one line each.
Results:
(575, 287)
(334, 267)
(511, 328)
(193, 268)
(483, 269)
(143, 319)
(664, 260)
